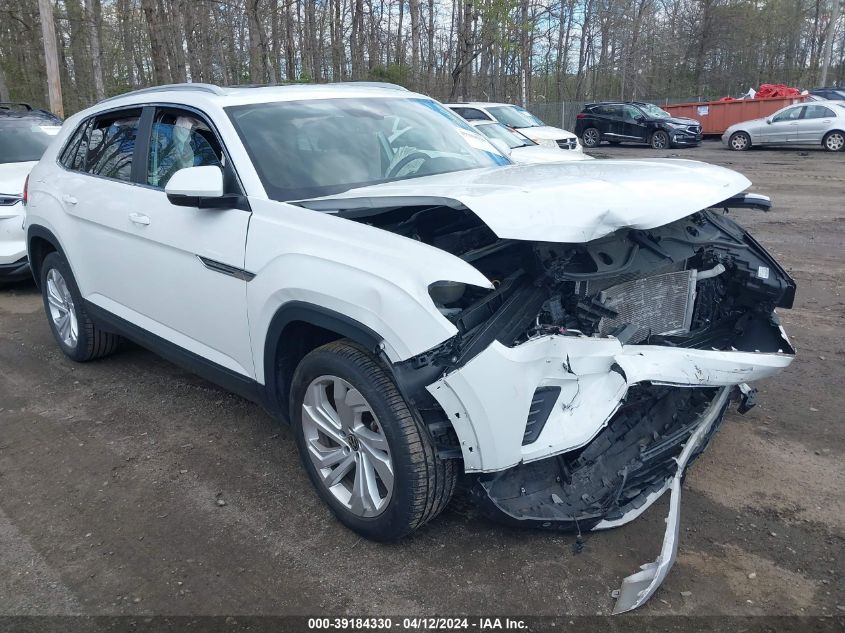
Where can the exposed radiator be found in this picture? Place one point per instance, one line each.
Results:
(660, 304)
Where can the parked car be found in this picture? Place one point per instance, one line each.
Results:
(635, 122)
(814, 123)
(24, 135)
(366, 270)
(519, 119)
(829, 93)
(521, 149)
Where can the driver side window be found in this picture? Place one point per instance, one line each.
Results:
(180, 139)
(789, 115)
(631, 113)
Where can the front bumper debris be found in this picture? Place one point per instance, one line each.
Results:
(637, 588)
(489, 400)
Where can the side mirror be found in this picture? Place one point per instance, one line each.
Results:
(188, 187)
(768, 120)
(499, 144)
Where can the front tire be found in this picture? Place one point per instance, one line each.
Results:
(834, 141)
(739, 141)
(77, 335)
(659, 140)
(369, 457)
(591, 137)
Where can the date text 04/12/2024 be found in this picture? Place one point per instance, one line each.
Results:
(418, 623)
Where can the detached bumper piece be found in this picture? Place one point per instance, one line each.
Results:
(617, 475)
(639, 587)
(642, 453)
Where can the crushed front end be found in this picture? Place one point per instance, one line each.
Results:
(579, 389)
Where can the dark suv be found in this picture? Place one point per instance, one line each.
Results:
(834, 93)
(634, 122)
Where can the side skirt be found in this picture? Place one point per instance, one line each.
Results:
(221, 376)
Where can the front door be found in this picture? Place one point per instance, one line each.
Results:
(784, 127)
(633, 127)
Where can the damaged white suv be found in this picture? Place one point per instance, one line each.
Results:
(566, 336)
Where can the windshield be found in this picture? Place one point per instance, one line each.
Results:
(514, 116)
(23, 140)
(499, 131)
(654, 111)
(307, 149)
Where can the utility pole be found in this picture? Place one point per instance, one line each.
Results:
(828, 40)
(51, 57)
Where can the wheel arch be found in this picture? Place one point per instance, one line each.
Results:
(298, 327)
(829, 132)
(40, 242)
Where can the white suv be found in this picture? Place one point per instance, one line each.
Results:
(24, 135)
(566, 335)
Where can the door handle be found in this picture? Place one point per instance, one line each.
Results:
(68, 199)
(139, 218)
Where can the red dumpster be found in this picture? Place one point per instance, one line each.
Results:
(718, 116)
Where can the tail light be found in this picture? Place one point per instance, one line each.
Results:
(26, 190)
(580, 115)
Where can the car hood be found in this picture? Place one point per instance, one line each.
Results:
(13, 176)
(533, 154)
(543, 132)
(679, 120)
(577, 201)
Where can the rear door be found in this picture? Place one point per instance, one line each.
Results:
(176, 272)
(813, 125)
(611, 123)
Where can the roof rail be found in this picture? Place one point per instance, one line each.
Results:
(369, 84)
(8, 105)
(198, 87)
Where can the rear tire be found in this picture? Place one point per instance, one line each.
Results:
(77, 335)
(739, 141)
(591, 137)
(660, 140)
(369, 457)
(834, 141)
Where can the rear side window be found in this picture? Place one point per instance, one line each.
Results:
(105, 145)
(818, 112)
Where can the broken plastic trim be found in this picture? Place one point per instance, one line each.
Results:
(637, 588)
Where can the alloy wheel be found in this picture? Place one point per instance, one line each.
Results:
(591, 137)
(660, 140)
(62, 310)
(739, 142)
(347, 446)
(835, 141)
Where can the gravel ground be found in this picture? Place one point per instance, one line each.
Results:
(110, 475)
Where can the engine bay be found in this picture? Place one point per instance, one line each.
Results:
(700, 282)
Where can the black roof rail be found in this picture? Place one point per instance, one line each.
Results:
(8, 105)
(197, 87)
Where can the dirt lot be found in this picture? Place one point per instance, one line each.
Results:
(110, 474)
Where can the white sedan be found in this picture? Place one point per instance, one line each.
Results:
(521, 149)
(816, 123)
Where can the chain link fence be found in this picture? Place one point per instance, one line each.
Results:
(562, 114)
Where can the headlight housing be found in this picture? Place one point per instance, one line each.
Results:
(545, 142)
